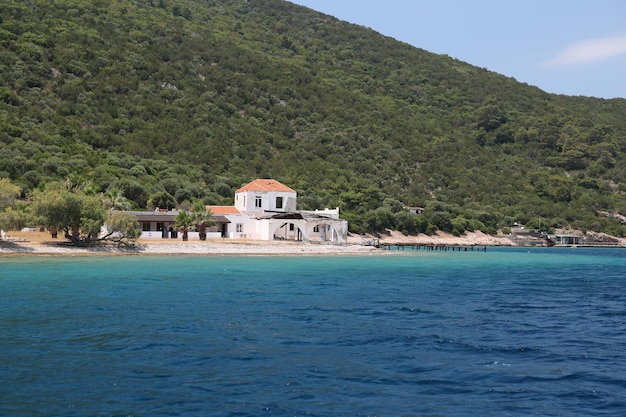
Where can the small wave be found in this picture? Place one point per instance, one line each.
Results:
(415, 310)
(497, 364)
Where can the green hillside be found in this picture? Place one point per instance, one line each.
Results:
(191, 99)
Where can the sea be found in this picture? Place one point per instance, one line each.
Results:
(507, 332)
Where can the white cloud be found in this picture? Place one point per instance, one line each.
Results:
(590, 51)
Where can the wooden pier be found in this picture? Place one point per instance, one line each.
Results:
(425, 247)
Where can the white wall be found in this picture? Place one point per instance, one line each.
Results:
(246, 201)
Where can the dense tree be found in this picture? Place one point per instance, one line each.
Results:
(12, 216)
(162, 199)
(79, 216)
(12, 219)
(9, 193)
(185, 99)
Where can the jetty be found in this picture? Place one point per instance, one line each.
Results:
(431, 247)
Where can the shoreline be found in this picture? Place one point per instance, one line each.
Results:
(42, 244)
(187, 249)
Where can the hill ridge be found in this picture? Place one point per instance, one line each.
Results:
(196, 98)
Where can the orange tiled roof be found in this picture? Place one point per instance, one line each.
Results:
(223, 210)
(265, 185)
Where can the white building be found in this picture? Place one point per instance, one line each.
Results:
(265, 195)
(264, 209)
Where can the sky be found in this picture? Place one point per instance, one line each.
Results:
(572, 47)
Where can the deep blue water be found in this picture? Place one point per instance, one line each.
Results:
(509, 332)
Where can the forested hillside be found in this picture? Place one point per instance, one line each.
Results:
(171, 101)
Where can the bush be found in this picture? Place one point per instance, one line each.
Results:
(161, 199)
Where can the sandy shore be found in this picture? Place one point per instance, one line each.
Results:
(37, 243)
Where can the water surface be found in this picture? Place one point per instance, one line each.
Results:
(505, 333)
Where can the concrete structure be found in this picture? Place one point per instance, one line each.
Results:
(264, 209)
(566, 240)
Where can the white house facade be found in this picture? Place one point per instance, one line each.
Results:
(265, 195)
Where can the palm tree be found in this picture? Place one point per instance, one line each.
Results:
(115, 200)
(202, 218)
(184, 222)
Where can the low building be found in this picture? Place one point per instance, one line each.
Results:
(159, 224)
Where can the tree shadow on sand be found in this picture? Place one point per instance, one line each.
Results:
(7, 246)
(102, 247)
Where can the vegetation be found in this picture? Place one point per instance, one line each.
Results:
(122, 228)
(184, 222)
(80, 216)
(171, 102)
(11, 217)
(202, 218)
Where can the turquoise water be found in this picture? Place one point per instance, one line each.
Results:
(509, 332)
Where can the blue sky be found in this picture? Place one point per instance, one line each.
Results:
(571, 47)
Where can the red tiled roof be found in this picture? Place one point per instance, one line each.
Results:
(265, 185)
(223, 210)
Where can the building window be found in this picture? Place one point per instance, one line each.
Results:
(257, 202)
(279, 202)
(239, 227)
(316, 228)
(145, 226)
(292, 227)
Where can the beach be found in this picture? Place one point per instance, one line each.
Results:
(41, 243)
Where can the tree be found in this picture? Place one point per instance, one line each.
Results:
(379, 219)
(9, 193)
(162, 199)
(122, 228)
(182, 194)
(79, 216)
(202, 218)
(406, 222)
(10, 218)
(490, 117)
(184, 222)
(132, 190)
(115, 200)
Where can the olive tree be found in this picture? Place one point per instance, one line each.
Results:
(79, 216)
(11, 218)
(9, 193)
(122, 228)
